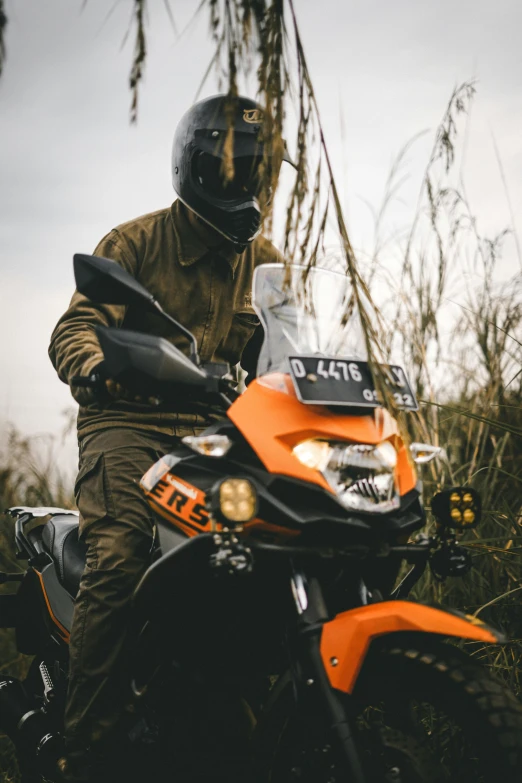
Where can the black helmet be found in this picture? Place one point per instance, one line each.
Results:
(232, 207)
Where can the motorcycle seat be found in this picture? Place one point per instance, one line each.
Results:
(60, 540)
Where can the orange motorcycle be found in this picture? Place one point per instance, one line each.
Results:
(272, 638)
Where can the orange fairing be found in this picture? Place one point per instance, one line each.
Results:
(345, 640)
(184, 505)
(176, 500)
(273, 421)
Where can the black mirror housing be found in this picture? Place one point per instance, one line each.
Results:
(129, 355)
(458, 507)
(105, 282)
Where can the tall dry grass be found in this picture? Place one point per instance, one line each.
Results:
(459, 332)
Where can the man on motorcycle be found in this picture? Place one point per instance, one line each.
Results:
(197, 258)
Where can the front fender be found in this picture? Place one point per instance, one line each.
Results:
(345, 640)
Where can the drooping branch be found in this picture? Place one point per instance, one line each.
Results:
(3, 25)
(140, 53)
(370, 317)
(255, 30)
(248, 34)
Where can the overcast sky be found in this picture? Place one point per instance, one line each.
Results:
(71, 166)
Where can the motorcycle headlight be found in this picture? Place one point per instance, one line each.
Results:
(362, 476)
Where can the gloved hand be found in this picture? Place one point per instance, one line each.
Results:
(119, 392)
(98, 388)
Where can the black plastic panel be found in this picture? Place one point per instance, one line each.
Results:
(62, 605)
(8, 611)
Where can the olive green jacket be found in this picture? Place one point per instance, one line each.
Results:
(197, 277)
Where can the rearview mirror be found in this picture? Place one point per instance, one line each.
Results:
(131, 354)
(105, 282)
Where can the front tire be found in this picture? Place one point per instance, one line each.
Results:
(423, 712)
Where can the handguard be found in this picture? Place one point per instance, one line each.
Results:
(345, 640)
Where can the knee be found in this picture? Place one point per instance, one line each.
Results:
(120, 551)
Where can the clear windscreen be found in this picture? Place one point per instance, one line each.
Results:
(305, 312)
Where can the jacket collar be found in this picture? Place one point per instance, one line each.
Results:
(194, 240)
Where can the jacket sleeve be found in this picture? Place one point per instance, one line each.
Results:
(74, 347)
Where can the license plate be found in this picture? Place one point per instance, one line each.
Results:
(346, 382)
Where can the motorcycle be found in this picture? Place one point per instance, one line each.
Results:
(272, 638)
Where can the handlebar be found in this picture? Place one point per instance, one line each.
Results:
(224, 393)
(412, 553)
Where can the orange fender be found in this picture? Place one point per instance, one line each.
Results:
(345, 639)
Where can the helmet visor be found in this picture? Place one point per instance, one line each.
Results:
(246, 182)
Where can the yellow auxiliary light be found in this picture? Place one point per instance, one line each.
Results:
(234, 500)
(458, 507)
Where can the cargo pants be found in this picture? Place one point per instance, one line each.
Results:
(117, 525)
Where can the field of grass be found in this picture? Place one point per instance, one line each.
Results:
(456, 322)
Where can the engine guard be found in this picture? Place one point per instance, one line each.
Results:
(345, 640)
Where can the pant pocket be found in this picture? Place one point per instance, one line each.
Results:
(92, 492)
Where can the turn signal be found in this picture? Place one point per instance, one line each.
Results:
(459, 507)
(208, 445)
(234, 500)
(424, 452)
